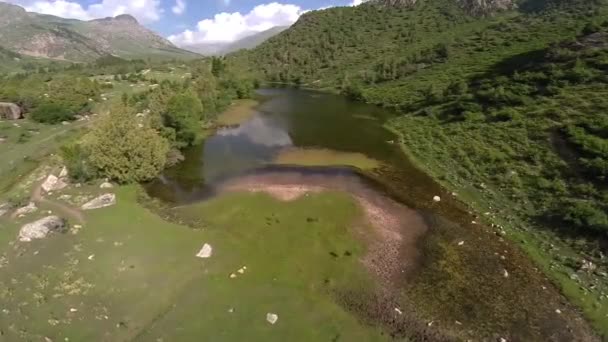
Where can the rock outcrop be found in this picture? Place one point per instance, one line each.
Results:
(41, 228)
(102, 201)
(53, 183)
(10, 111)
(28, 209)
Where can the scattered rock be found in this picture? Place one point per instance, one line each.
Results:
(91, 257)
(205, 252)
(28, 209)
(505, 273)
(106, 185)
(102, 201)
(3, 209)
(41, 228)
(461, 243)
(437, 199)
(232, 275)
(63, 173)
(241, 270)
(73, 310)
(52, 183)
(558, 311)
(231, 310)
(10, 111)
(397, 310)
(587, 266)
(272, 318)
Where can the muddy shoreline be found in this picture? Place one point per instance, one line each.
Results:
(440, 275)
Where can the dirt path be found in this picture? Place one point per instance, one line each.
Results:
(65, 210)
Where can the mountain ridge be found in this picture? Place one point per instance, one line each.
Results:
(47, 36)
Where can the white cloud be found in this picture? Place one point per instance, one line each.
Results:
(180, 7)
(228, 27)
(357, 2)
(145, 11)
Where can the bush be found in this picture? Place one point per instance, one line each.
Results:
(584, 215)
(52, 113)
(121, 150)
(76, 160)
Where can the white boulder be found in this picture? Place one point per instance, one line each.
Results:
(272, 318)
(102, 201)
(205, 252)
(41, 228)
(28, 209)
(63, 173)
(106, 185)
(53, 183)
(437, 199)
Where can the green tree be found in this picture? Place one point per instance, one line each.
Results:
(122, 150)
(183, 115)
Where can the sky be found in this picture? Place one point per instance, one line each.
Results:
(187, 22)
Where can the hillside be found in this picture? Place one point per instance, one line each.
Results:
(45, 36)
(248, 42)
(505, 105)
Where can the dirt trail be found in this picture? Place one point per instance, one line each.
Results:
(65, 210)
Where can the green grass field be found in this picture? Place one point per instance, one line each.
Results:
(129, 275)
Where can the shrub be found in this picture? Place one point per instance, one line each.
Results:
(585, 215)
(52, 113)
(121, 150)
(76, 160)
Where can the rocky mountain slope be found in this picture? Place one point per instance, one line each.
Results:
(45, 36)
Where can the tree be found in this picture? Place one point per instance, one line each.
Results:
(183, 115)
(119, 149)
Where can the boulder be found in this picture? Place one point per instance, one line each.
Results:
(63, 173)
(205, 252)
(3, 208)
(272, 318)
(102, 201)
(41, 228)
(10, 111)
(53, 183)
(28, 209)
(106, 185)
(437, 199)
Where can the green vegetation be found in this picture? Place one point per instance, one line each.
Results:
(489, 94)
(509, 110)
(183, 115)
(124, 151)
(325, 157)
(107, 270)
(239, 112)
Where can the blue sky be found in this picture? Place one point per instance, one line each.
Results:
(189, 21)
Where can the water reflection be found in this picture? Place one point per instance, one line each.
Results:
(284, 118)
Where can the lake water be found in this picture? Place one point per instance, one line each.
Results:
(284, 118)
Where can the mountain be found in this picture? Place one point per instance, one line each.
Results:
(251, 42)
(248, 42)
(46, 36)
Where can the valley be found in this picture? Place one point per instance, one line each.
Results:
(399, 170)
